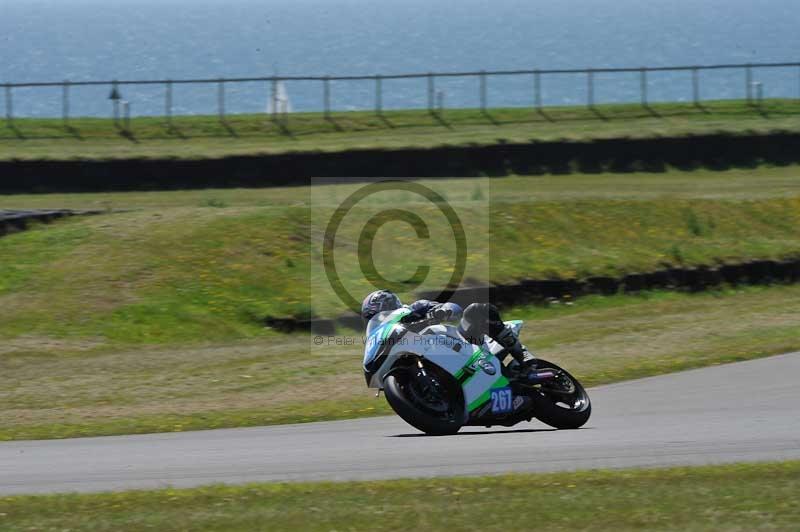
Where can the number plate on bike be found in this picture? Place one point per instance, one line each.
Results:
(502, 401)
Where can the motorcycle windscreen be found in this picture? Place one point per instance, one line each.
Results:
(377, 329)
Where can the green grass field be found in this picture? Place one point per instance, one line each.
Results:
(205, 136)
(151, 318)
(214, 264)
(719, 498)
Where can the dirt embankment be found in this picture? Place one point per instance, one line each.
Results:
(533, 291)
(14, 221)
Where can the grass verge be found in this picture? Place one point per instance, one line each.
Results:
(197, 137)
(51, 390)
(730, 497)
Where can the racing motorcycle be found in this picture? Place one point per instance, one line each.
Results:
(438, 382)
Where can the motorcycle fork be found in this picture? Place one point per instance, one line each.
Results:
(429, 381)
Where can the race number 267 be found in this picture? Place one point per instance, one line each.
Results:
(502, 401)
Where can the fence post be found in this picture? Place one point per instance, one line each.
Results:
(326, 96)
(430, 93)
(483, 91)
(748, 82)
(115, 98)
(696, 86)
(378, 95)
(273, 98)
(643, 86)
(9, 105)
(590, 88)
(168, 102)
(65, 102)
(759, 93)
(537, 90)
(221, 99)
(126, 116)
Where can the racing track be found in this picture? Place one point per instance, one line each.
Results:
(739, 412)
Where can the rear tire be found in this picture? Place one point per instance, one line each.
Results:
(546, 403)
(394, 388)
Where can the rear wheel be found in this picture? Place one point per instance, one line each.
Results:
(563, 402)
(424, 400)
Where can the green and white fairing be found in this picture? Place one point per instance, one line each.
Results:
(475, 367)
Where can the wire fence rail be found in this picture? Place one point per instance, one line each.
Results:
(121, 109)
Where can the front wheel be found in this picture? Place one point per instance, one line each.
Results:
(423, 402)
(563, 402)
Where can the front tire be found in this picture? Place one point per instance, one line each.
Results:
(398, 392)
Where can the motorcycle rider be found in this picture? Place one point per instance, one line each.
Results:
(477, 320)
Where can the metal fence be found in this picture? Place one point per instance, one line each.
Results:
(120, 110)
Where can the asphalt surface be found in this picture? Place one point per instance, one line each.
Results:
(739, 412)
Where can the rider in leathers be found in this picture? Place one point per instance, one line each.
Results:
(477, 320)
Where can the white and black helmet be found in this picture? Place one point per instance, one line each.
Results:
(379, 301)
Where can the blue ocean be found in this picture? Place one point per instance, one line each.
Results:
(77, 40)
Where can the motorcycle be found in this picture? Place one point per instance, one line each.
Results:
(438, 382)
